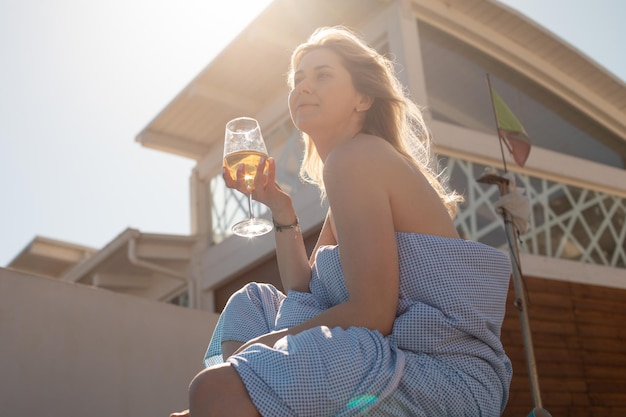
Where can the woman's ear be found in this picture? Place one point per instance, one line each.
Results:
(365, 102)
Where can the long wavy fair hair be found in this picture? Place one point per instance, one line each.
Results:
(393, 116)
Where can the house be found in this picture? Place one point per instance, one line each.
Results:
(574, 256)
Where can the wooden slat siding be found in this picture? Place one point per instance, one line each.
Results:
(580, 347)
(579, 337)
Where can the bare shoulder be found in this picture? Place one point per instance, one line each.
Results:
(367, 154)
(363, 152)
(371, 166)
(362, 145)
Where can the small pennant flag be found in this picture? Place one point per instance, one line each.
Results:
(510, 130)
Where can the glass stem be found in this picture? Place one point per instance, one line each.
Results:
(250, 205)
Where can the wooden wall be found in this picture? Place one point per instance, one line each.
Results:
(579, 334)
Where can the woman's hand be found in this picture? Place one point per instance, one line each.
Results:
(268, 339)
(181, 414)
(265, 189)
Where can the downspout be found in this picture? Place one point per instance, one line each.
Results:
(134, 260)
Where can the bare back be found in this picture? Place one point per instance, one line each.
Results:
(415, 205)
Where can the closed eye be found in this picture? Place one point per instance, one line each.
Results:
(322, 75)
(321, 72)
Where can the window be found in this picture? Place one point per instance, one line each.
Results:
(455, 75)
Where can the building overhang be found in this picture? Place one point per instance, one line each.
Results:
(50, 257)
(155, 266)
(246, 76)
(250, 73)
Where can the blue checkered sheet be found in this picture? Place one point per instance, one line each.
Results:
(443, 357)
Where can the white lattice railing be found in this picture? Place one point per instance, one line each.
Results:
(567, 222)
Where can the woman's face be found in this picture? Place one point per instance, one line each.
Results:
(323, 98)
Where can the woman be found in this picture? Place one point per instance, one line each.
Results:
(393, 314)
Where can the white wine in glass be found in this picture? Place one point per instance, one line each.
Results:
(243, 144)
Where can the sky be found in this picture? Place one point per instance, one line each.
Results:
(80, 79)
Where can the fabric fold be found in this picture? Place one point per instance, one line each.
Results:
(443, 357)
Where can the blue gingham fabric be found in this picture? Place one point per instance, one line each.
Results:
(443, 357)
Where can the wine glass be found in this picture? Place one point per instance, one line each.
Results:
(244, 144)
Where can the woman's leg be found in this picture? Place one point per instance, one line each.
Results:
(219, 391)
(249, 313)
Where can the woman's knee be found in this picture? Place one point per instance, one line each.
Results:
(256, 296)
(206, 383)
(260, 291)
(219, 388)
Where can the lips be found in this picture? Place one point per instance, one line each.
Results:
(300, 105)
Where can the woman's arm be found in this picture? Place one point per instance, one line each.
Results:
(356, 176)
(285, 240)
(356, 186)
(326, 236)
(291, 256)
(293, 263)
(357, 189)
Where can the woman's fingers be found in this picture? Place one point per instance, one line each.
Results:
(271, 171)
(238, 183)
(264, 186)
(241, 179)
(259, 176)
(228, 180)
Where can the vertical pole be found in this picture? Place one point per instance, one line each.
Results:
(520, 298)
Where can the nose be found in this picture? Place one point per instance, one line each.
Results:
(303, 86)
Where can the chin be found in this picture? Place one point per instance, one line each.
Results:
(304, 124)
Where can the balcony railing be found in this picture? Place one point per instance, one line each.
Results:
(566, 222)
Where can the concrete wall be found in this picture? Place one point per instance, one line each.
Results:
(72, 350)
